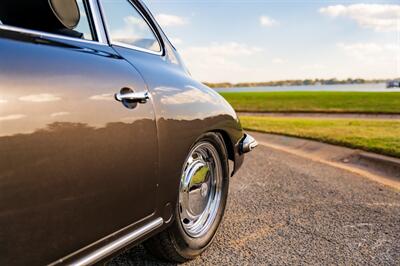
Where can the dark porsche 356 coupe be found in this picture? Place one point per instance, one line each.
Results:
(106, 141)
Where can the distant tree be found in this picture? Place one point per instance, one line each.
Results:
(331, 81)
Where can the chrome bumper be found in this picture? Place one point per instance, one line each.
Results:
(247, 144)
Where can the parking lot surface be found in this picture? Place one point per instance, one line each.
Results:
(284, 209)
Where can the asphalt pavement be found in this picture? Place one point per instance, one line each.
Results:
(285, 209)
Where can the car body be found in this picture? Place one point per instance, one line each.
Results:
(83, 173)
(393, 84)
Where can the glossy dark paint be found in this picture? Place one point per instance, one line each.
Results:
(76, 165)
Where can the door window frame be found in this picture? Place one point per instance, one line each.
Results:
(95, 23)
(130, 46)
(98, 26)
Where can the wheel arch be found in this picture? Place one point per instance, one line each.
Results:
(232, 149)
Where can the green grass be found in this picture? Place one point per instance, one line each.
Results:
(380, 136)
(335, 102)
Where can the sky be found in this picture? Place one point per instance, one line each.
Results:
(266, 40)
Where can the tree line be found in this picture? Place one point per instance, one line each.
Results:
(296, 82)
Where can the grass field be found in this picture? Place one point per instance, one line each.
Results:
(380, 136)
(335, 102)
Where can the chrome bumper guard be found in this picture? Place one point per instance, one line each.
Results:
(247, 144)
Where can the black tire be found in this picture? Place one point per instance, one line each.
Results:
(174, 244)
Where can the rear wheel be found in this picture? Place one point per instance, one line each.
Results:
(201, 202)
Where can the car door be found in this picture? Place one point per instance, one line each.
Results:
(184, 107)
(76, 165)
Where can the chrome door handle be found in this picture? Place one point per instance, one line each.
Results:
(134, 97)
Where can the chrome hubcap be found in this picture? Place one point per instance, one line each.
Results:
(200, 190)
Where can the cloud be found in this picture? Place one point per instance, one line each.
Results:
(188, 96)
(266, 21)
(135, 31)
(132, 25)
(40, 98)
(12, 117)
(220, 61)
(59, 114)
(102, 97)
(229, 49)
(279, 61)
(371, 52)
(313, 67)
(176, 41)
(379, 17)
(166, 20)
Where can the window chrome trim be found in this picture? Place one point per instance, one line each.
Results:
(98, 22)
(46, 34)
(112, 247)
(129, 46)
(132, 47)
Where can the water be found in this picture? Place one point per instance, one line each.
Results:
(380, 87)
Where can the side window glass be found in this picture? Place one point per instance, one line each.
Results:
(127, 26)
(69, 19)
(84, 26)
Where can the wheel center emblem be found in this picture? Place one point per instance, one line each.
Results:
(204, 190)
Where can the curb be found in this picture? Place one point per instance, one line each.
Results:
(382, 163)
(384, 166)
